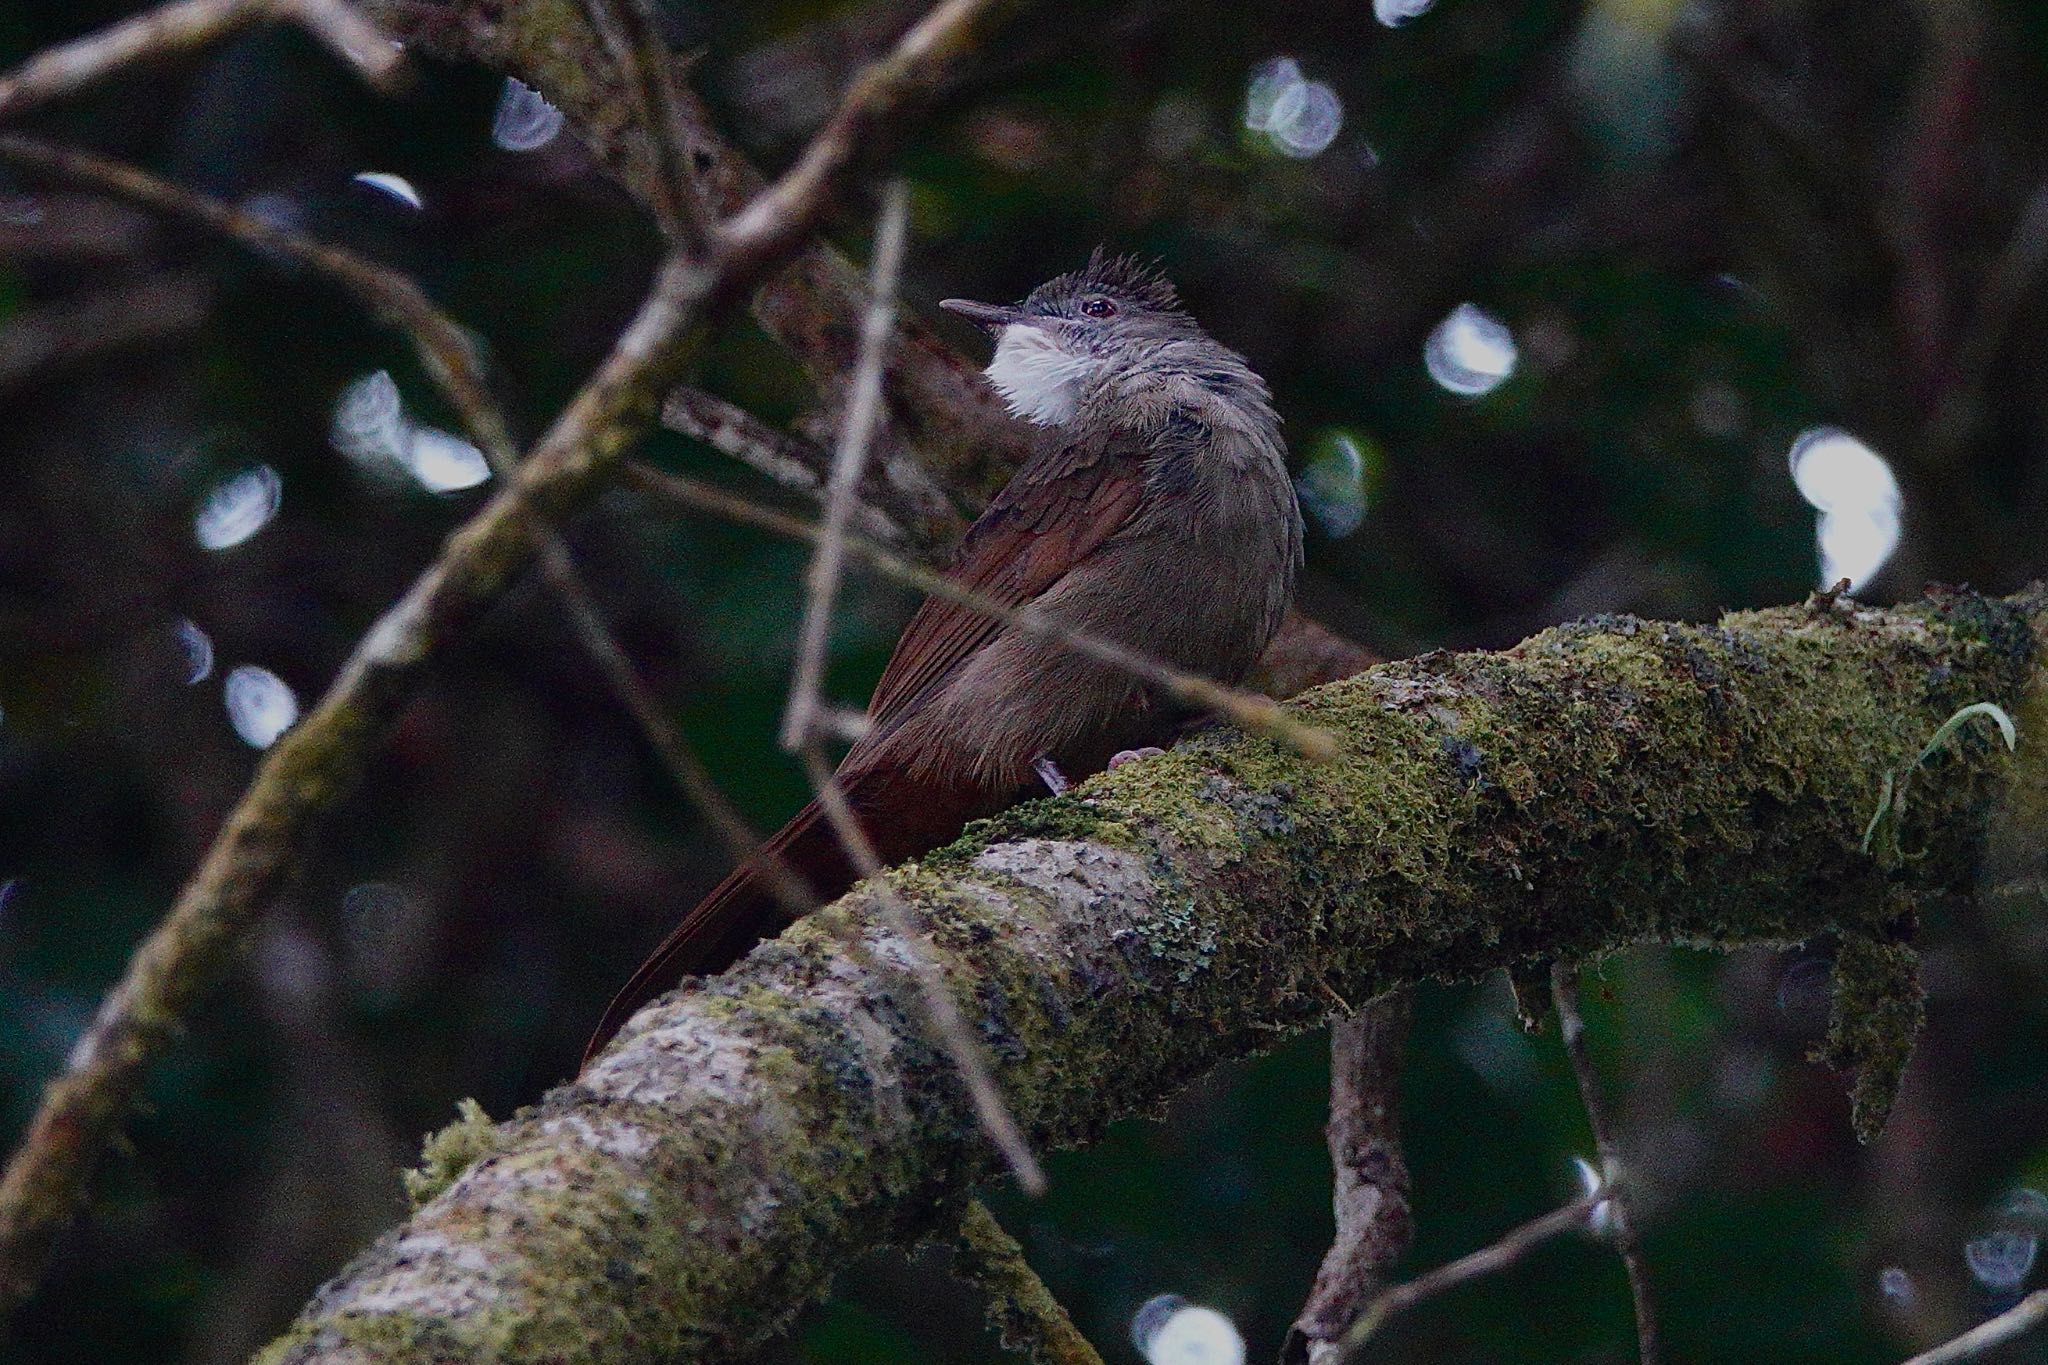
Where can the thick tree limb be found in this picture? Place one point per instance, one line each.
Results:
(1602, 784)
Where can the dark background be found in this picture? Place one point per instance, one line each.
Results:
(1708, 234)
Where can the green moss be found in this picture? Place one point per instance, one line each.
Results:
(448, 1153)
(1879, 1008)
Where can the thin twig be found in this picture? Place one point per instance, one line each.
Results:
(309, 768)
(185, 25)
(1571, 1027)
(683, 765)
(629, 36)
(2016, 1321)
(1488, 1260)
(942, 1016)
(849, 461)
(1374, 1222)
(898, 505)
(1247, 710)
(1023, 1311)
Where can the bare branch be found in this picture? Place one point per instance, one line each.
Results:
(849, 461)
(1374, 1222)
(805, 723)
(898, 502)
(186, 25)
(1488, 1260)
(1248, 710)
(1026, 1316)
(1571, 1028)
(307, 769)
(2014, 1322)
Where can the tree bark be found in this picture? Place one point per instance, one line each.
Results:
(1602, 784)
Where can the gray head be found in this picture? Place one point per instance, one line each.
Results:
(1114, 318)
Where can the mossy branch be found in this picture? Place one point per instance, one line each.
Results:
(1602, 784)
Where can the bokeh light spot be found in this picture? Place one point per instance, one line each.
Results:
(525, 121)
(1168, 1330)
(1857, 496)
(1471, 353)
(238, 508)
(394, 187)
(260, 705)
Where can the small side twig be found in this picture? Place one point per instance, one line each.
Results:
(1023, 1311)
(184, 26)
(1488, 1260)
(1374, 1222)
(2014, 1322)
(1571, 1027)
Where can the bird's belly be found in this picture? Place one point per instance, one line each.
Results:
(1029, 695)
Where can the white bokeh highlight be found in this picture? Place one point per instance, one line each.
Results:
(372, 428)
(237, 508)
(1299, 117)
(1168, 1330)
(391, 186)
(260, 705)
(1394, 13)
(1471, 353)
(1857, 498)
(524, 121)
(197, 648)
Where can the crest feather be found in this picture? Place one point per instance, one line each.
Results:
(1125, 277)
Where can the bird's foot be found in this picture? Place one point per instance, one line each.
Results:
(1049, 773)
(1123, 756)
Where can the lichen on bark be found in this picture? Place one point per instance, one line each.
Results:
(1606, 783)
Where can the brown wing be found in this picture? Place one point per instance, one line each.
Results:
(1072, 495)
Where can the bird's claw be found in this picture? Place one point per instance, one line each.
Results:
(1049, 773)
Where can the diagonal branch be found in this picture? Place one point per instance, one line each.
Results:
(1643, 782)
(450, 359)
(2015, 1322)
(1488, 1260)
(1024, 1312)
(312, 764)
(185, 26)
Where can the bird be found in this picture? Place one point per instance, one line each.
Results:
(1154, 510)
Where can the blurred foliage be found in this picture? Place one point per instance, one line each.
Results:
(1706, 235)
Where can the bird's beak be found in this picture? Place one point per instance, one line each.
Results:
(989, 315)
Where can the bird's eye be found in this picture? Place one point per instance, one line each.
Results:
(1098, 308)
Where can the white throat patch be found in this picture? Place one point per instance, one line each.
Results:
(1039, 380)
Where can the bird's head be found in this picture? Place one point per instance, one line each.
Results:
(1115, 315)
